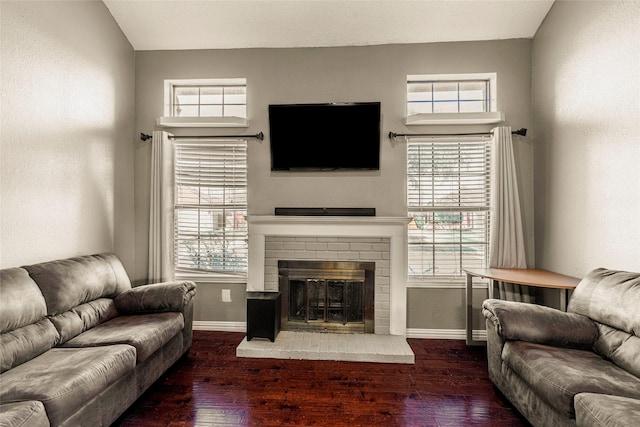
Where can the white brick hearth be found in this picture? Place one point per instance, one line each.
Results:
(329, 238)
(342, 347)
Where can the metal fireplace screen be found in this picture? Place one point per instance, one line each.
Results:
(328, 296)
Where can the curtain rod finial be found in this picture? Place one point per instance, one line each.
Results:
(144, 136)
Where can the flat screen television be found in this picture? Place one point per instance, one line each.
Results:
(325, 137)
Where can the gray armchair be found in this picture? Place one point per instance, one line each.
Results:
(563, 368)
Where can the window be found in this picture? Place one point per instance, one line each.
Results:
(211, 207)
(452, 99)
(448, 199)
(205, 103)
(432, 96)
(208, 98)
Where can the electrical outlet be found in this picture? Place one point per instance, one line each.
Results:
(226, 295)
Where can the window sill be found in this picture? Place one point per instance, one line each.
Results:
(446, 283)
(202, 122)
(210, 278)
(455, 119)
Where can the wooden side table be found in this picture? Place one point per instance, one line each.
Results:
(263, 315)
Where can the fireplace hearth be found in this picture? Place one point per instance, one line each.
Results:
(327, 296)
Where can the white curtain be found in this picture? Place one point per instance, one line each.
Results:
(507, 238)
(161, 209)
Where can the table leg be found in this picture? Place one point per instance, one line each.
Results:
(563, 299)
(469, 316)
(469, 303)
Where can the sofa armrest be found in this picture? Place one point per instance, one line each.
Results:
(518, 321)
(157, 297)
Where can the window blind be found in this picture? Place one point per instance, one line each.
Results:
(211, 206)
(448, 199)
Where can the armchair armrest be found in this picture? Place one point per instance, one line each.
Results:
(157, 297)
(518, 321)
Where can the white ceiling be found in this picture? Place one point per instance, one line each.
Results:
(224, 24)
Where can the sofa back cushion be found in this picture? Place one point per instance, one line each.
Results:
(21, 299)
(609, 297)
(620, 347)
(70, 282)
(612, 299)
(83, 317)
(25, 332)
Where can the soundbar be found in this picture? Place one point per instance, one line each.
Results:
(326, 211)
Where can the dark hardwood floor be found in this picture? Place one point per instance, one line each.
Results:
(447, 386)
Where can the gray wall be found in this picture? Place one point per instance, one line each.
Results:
(67, 155)
(67, 133)
(373, 73)
(586, 87)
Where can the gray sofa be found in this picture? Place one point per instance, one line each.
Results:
(580, 367)
(79, 345)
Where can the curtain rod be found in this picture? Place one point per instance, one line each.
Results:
(258, 135)
(393, 135)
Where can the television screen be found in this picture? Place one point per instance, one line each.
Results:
(318, 137)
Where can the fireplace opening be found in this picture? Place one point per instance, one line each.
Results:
(327, 296)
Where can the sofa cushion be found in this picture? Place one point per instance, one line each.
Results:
(620, 347)
(68, 283)
(21, 300)
(83, 317)
(146, 332)
(600, 410)
(25, 332)
(609, 297)
(23, 344)
(64, 379)
(29, 413)
(558, 374)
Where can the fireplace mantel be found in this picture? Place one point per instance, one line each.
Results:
(394, 228)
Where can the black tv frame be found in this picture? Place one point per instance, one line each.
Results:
(325, 136)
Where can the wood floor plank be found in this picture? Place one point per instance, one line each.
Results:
(447, 386)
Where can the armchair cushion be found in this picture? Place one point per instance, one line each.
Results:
(158, 297)
(581, 371)
(600, 410)
(539, 324)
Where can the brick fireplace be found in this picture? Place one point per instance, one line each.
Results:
(377, 240)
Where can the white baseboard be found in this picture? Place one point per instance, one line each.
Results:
(207, 325)
(445, 334)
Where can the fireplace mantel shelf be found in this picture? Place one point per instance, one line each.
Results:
(394, 228)
(327, 219)
(363, 226)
